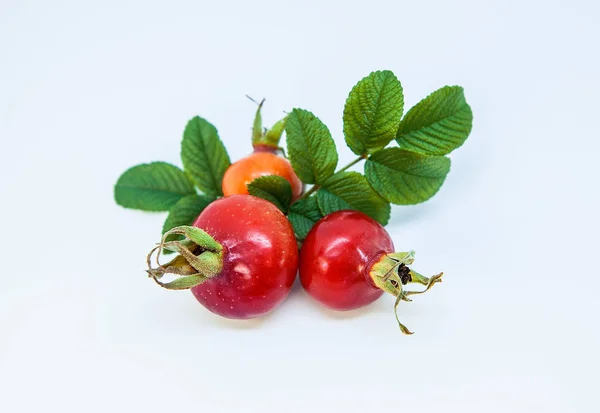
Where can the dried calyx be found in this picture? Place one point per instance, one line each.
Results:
(200, 258)
(391, 273)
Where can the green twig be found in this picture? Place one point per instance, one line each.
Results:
(351, 164)
(310, 192)
(316, 187)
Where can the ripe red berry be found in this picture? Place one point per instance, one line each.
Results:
(243, 259)
(347, 261)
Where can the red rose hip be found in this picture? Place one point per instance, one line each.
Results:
(347, 261)
(239, 259)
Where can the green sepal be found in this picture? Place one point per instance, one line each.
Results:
(273, 135)
(200, 259)
(266, 137)
(184, 212)
(257, 128)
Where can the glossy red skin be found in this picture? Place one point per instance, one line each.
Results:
(336, 258)
(260, 257)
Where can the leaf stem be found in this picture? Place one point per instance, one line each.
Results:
(316, 187)
(309, 192)
(351, 164)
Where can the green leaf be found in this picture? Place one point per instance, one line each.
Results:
(185, 211)
(274, 189)
(373, 111)
(310, 147)
(303, 214)
(155, 186)
(438, 124)
(403, 177)
(204, 157)
(350, 190)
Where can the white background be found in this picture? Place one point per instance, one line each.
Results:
(88, 89)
